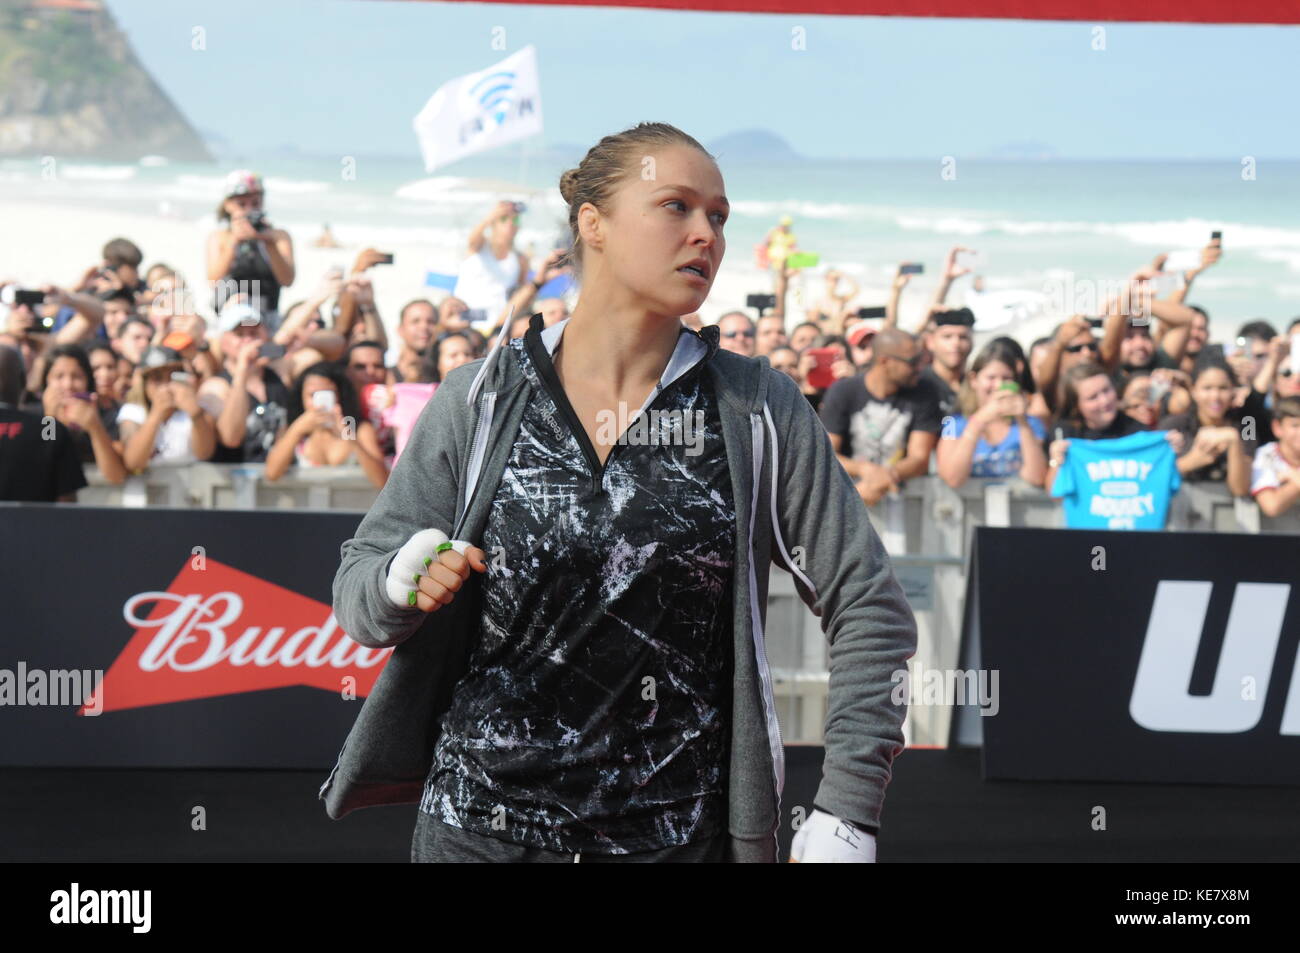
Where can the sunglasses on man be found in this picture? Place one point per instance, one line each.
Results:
(737, 334)
(1076, 348)
(912, 361)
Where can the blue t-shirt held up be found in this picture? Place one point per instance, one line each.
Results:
(1124, 483)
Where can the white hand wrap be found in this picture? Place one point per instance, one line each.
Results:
(825, 839)
(410, 562)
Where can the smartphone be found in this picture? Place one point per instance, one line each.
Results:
(865, 313)
(820, 375)
(970, 259)
(385, 259)
(273, 351)
(1013, 388)
(29, 298)
(1216, 236)
(323, 400)
(475, 315)
(1096, 322)
(761, 302)
(802, 259)
(911, 269)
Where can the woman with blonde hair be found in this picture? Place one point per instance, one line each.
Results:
(571, 561)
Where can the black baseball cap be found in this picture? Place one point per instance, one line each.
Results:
(962, 316)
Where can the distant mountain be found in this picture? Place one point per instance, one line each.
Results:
(70, 85)
(751, 144)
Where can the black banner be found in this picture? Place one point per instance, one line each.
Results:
(201, 638)
(1131, 656)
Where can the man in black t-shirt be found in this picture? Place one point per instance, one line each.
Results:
(885, 422)
(949, 342)
(32, 468)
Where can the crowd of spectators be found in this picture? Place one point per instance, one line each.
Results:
(899, 404)
(119, 370)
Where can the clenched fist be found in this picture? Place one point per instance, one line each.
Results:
(429, 570)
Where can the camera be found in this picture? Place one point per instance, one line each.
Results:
(257, 218)
(761, 302)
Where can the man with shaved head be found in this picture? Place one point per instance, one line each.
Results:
(884, 422)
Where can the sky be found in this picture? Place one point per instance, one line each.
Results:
(348, 76)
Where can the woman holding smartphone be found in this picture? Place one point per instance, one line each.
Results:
(68, 395)
(162, 420)
(580, 671)
(994, 435)
(328, 427)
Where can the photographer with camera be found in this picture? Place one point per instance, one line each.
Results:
(119, 268)
(249, 250)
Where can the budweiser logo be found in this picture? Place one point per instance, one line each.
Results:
(220, 631)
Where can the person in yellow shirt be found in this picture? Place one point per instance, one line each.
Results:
(780, 242)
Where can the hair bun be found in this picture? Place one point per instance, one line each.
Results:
(568, 184)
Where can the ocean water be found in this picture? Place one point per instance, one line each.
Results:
(1035, 222)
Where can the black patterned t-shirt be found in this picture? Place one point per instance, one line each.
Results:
(595, 713)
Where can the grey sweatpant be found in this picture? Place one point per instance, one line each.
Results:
(436, 842)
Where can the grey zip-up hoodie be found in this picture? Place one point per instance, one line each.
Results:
(795, 495)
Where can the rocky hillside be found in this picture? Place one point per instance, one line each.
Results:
(70, 86)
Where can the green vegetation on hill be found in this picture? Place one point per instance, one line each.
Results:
(57, 49)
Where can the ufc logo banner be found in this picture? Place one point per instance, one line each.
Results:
(1128, 656)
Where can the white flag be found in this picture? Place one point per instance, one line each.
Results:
(481, 110)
